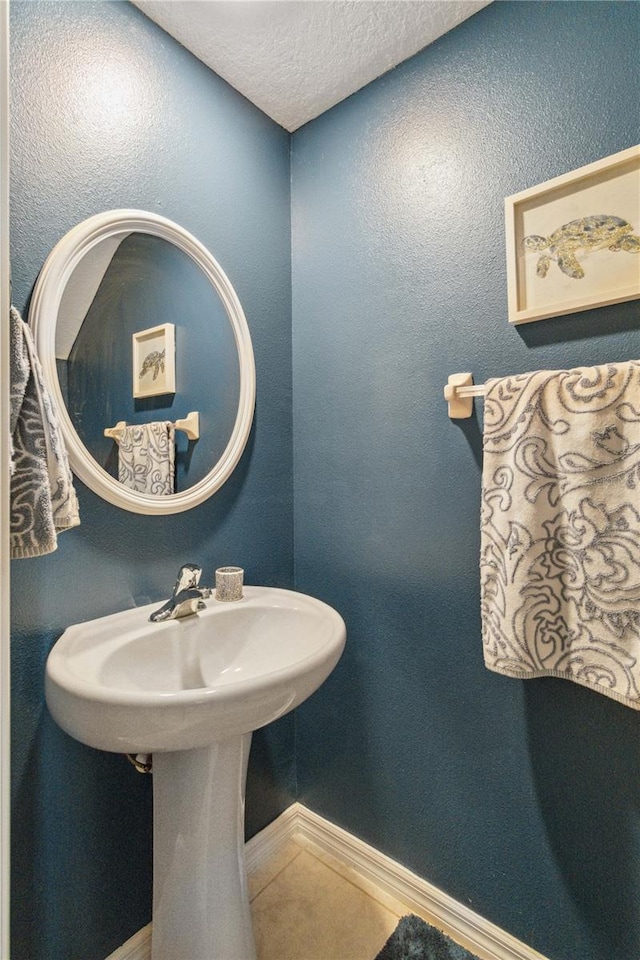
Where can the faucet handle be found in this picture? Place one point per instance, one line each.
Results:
(188, 577)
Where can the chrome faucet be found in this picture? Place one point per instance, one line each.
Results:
(187, 596)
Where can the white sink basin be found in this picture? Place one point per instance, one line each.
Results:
(191, 692)
(126, 685)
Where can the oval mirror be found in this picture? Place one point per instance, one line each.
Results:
(134, 320)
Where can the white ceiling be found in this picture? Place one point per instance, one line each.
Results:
(296, 58)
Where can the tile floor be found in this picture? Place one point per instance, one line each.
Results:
(308, 906)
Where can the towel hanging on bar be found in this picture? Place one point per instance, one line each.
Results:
(560, 527)
(43, 500)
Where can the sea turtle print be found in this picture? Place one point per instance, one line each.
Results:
(599, 232)
(153, 361)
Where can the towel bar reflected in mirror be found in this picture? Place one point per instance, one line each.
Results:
(190, 425)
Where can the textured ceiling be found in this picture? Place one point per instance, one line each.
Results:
(296, 58)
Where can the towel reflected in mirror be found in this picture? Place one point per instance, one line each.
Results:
(146, 458)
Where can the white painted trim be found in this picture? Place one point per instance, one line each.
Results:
(5, 797)
(272, 839)
(138, 947)
(468, 928)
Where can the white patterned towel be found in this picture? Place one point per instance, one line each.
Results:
(560, 535)
(146, 457)
(43, 501)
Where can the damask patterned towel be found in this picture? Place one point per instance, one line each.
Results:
(146, 457)
(560, 534)
(43, 501)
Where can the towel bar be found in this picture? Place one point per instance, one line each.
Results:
(459, 393)
(190, 425)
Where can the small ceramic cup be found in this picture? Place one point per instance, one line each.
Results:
(229, 583)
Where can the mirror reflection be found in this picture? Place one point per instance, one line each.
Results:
(127, 284)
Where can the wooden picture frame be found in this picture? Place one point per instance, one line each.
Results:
(154, 361)
(573, 243)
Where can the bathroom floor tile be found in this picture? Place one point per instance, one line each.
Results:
(262, 876)
(310, 912)
(356, 878)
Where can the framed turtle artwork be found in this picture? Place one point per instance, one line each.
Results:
(154, 361)
(573, 243)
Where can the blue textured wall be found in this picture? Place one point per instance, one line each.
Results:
(519, 799)
(108, 111)
(522, 800)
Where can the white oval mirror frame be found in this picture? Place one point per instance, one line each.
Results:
(43, 314)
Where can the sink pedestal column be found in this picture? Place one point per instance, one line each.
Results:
(200, 899)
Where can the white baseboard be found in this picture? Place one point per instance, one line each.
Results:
(461, 923)
(138, 947)
(419, 896)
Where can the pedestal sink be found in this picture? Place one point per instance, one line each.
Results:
(191, 692)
